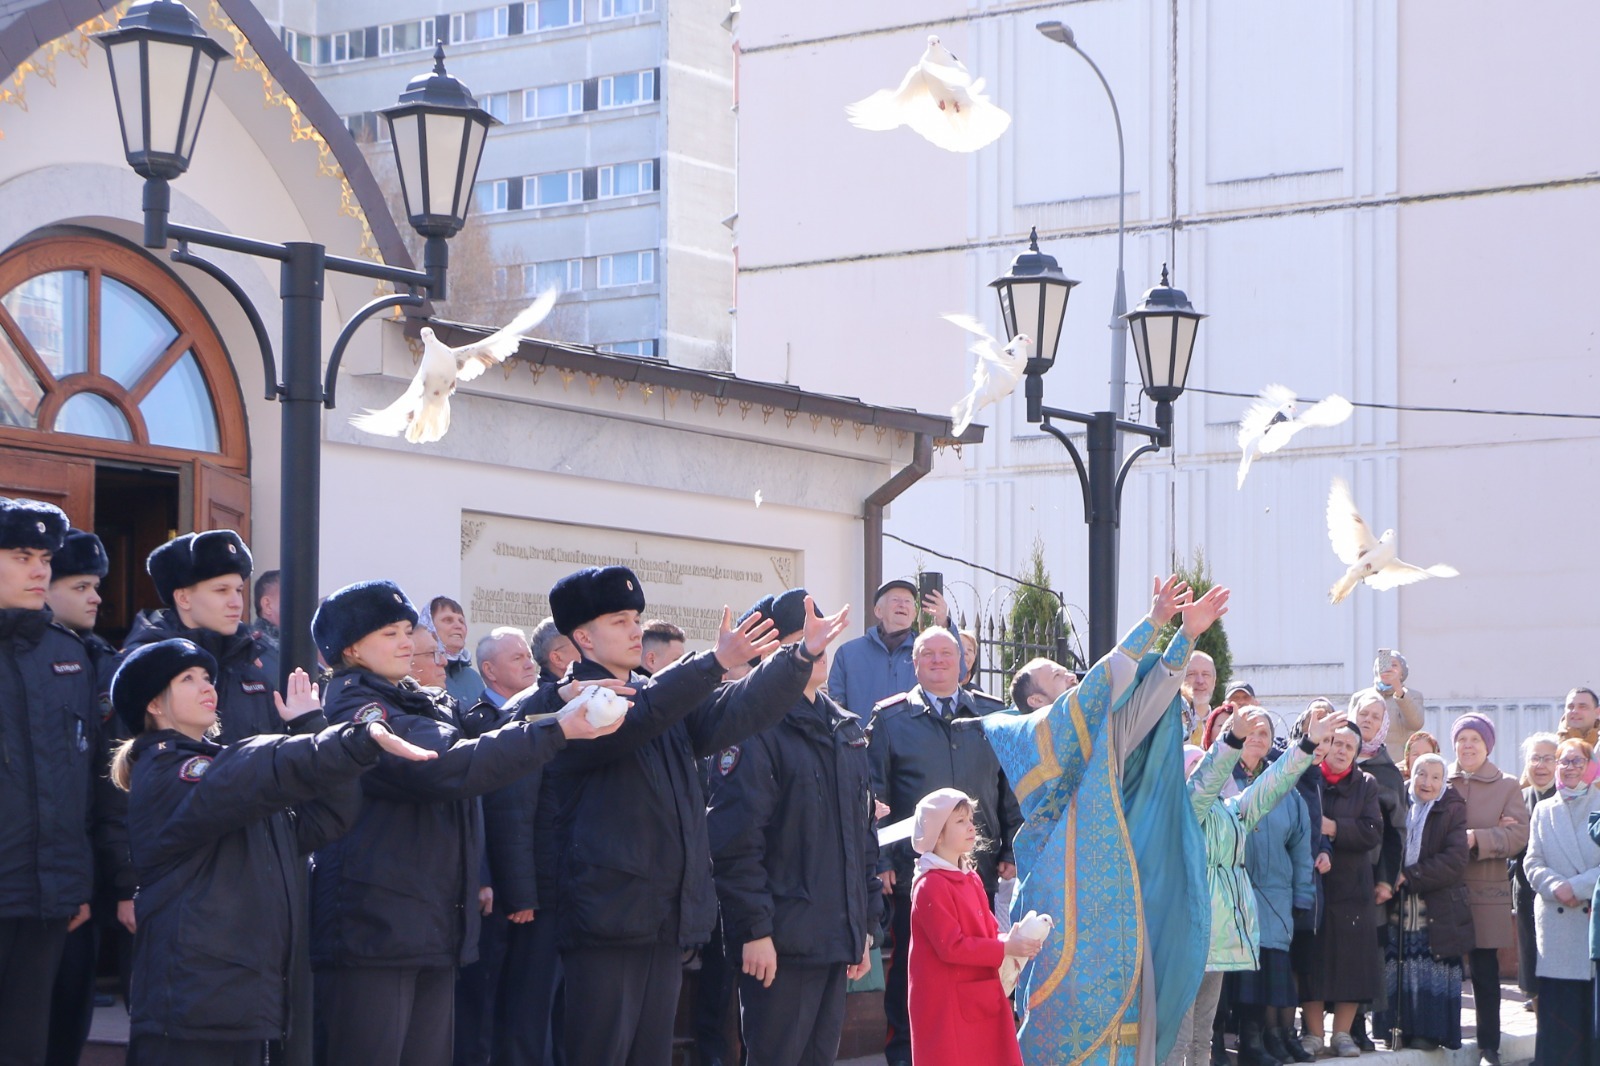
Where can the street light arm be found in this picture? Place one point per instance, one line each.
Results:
(269, 364)
(1127, 465)
(382, 303)
(1077, 461)
(1122, 154)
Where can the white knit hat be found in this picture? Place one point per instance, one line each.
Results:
(933, 811)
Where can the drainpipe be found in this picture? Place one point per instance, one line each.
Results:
(872, 514)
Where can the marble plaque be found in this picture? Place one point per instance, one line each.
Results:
(509, 564)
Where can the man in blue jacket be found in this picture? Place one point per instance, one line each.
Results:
(876, 665)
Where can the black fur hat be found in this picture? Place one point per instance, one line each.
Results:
(31, 524)
(591, 592)
(80, 553)
(356, 610)
(788, 612)
(146, 673)
(196, 557)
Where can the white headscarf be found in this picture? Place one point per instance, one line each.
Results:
(1420, 808)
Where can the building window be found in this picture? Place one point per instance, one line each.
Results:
(550, 101)
(552, 14)
(493, 196)
(563, 274)
(626, 90)
(629, 268)
(484, 25)
(547, 190)
(300, 46)
(627, 179)
(615, 9)
(497, 104)
(401, 37)
(640, 349)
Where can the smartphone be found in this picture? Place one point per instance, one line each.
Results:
(929, 581)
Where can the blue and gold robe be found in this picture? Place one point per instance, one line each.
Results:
(1111, 849)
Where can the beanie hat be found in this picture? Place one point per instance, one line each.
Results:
(789, 611)
(587, 594)
(933, 811)
(31, 524)
(1477, 723)
(80, 553)
(762, 607)
(196, 557)
(146, 673)
(1191, 755)
(355, 611)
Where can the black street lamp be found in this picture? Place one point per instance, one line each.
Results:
(162, 64)
(1163, 326)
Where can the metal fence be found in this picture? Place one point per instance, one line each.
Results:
(1005, 644)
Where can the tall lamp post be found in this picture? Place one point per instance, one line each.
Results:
(1033, 299)
(162, 66)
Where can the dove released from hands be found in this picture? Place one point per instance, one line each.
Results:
(938, 99)
(422, 413)
(1274, 417)
(996, 374)
(1370, 559)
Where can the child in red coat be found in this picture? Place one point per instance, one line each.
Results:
(959, 1012)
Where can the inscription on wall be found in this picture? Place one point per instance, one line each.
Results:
(509, 564)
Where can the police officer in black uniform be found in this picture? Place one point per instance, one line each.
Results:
(201, 577)
(795, 849)
(49, 743)
(635, 884)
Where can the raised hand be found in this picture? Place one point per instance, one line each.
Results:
(751, 639)
(1245, 721)
(819, 632)
(1167, 598)
(1323, 720)
(302, 699)
(1200, 614)
(934, 603)
(397, 745)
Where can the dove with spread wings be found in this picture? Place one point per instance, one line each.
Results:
(1274, 417)
(996, 374)
(422, 413)
(1370, 559)
(938, 99)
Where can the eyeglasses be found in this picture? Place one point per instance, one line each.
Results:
(437, 654)
(1541, 759)
(1577, 763)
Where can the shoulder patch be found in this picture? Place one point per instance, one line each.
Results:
(892, 701)
(372, 712)
(728, 761)
(253, 687)
(67, 667)
(193, 769)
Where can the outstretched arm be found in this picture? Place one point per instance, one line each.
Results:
(1160, 685)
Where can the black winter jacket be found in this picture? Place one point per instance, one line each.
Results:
(400, 889)
(50, 745)
(914, 752)
(793, 839)
(628, 809)
(113, 861)
(217, 835)
(244, 691)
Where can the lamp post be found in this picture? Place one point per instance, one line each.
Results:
(162, 66)
(1033, 298)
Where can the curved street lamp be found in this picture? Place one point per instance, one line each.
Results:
(162, 66)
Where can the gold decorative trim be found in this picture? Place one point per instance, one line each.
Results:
(73, 45)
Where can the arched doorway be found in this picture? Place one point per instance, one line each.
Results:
(118, 403)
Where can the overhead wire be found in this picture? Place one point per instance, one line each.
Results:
(1420, 408)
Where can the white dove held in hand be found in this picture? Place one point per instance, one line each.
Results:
(1270, 421)
(1370, 559)
(601, 706)
(996, 374)
(422, 413)
(1031, 926)
(938, 99)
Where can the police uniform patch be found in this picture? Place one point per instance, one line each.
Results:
(67, 668)
(372, 712)
(728, 761)
(252, 687)
(194, 769)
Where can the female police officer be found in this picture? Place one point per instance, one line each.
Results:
(394, 903)
(215, 833)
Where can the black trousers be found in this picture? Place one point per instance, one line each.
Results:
(719, 977)
(387, 1016)
(528, 1024)
(895, 1011)
(621, 1003)
(72, 997)
(796, 1022)
(30, 952)
(477, 993)
(1565, 1035)
(1486, 996)
(163, 1051)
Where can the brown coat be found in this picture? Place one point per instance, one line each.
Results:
(1436, 875)
(1491, 796)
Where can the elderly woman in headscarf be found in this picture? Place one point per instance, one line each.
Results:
(1431, 924)
(1563, 866)
(1497, 829)
(1369, 712)
(1391, 676)
(1418, 744)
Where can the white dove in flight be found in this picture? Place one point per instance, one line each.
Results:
(996, 374)
(1370, 559)
(1271, 420)
(422, 413)
(938, 99)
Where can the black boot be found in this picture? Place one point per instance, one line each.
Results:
(1272, 1040)
(1252, 1049)
(1219, 1050)
(1358, 1033)
(1286, 1039)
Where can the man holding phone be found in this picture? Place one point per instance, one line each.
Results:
(877, 664)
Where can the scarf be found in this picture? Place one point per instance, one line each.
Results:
(929, 861)
(1369, 748)
(1570, 794)
(893, 641)
(1414, 823)
(1334, 778)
